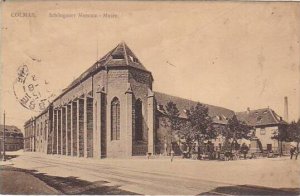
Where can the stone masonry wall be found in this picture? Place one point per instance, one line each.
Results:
(140, 83)
(117, 86)
(81, 127)
(41, 132)
(89, 127)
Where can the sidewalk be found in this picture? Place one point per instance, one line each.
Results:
(4, 163)
(269, 172)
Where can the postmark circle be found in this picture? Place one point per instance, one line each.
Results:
(31, 91)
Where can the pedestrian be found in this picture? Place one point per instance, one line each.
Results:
(292, 150)
(296, 153)
(244, 150)
(172, 155)
(227, 155)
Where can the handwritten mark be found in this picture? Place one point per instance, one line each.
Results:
(34, 59)
(170, 64)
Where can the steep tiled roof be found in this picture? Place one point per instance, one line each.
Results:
(260, 117)
(120, 56)
(220, 115)
(10, 129)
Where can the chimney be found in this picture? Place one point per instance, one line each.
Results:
(248, 110)
(286, 111)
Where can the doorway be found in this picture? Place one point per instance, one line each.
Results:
(269, 147)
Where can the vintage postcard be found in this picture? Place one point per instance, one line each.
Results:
(150, 98)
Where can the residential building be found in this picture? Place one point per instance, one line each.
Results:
(266, 123)
(13, 138)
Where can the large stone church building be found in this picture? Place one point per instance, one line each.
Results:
(110, 110)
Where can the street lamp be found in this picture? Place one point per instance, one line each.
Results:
(3, 158)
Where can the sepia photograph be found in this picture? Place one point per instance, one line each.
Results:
(149, 97)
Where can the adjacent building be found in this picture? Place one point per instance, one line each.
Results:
(29, 139)
(219, 115)
(266, 123)
(36, 130)
(13, 138)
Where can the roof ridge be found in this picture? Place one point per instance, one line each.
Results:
(10, 127)
(175, 96)
(103, 62)
(91, 67)
(127, 48)
(253, 110)
(125, 53)
(192, 100)
(272, 114)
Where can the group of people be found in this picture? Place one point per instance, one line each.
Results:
(294, 151)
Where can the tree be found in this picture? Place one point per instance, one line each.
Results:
(173, 120)
(196, 128)
(172, 114)
(293, 131)
(185, 133)
(234, 130)
(200, 125)
(281, 135)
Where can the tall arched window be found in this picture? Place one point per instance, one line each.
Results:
(138, 120)
(115, 119)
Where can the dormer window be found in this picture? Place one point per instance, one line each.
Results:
(119, 56)
(133, 59)
(265, 112)
(259, 118)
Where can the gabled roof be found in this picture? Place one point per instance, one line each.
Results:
(120, 56)
(260, 117)
(219, 115)
(10, 129)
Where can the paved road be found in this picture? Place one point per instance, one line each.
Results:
(68, 175)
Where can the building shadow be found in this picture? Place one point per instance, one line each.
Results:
(72, 185)
(251, 190)
(9, 157)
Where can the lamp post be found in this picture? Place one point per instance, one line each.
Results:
(3, 158)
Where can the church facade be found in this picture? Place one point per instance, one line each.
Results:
(111, 110)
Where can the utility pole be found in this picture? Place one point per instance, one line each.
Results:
(3, 158)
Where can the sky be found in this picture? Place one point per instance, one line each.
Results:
(230, 54)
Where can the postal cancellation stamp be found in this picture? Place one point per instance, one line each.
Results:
(31, 92)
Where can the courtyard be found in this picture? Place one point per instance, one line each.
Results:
(53, 174)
